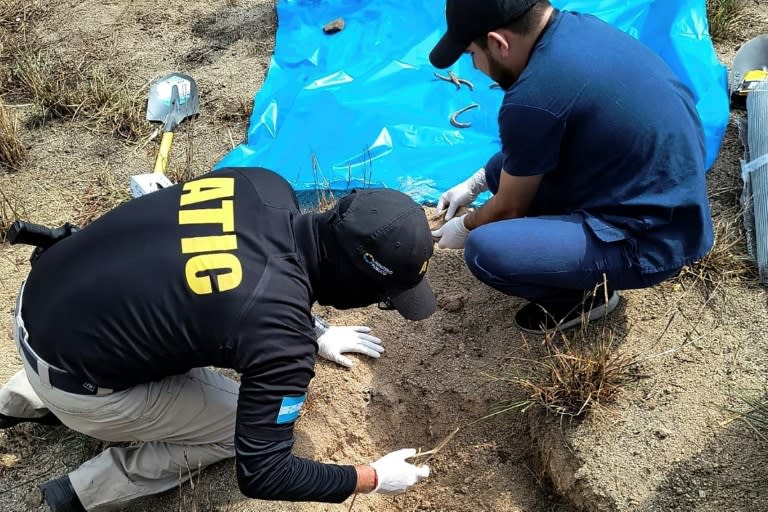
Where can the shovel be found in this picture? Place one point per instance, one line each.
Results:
(172, 99)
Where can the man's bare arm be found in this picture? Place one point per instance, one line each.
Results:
(512, 200)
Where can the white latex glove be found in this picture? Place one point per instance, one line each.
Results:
(453, 234)
(462, 194)
(338, 340)
(395, 474)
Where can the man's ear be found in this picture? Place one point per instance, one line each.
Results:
(498, 44)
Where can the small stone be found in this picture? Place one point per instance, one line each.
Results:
(334, 26)
(34, 499)
(8, 460)
(454, 305)
(702, 494)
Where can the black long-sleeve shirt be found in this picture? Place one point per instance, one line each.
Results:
(201, 274)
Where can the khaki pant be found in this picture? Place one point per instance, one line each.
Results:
(180, 424)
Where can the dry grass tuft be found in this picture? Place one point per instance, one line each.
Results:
(578, 374)
(187, 170)
(724, 17)
(17, 15)
(100, 197)
(10, 205)
(86, 87)
(574, 378)
(727, 262)
(196, 494)
(12, 150)
(756, 415)
(324, 199)
(15, 19)
(236, 111)
(324, 193)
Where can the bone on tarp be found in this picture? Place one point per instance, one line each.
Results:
(458, 124)
(454, 79)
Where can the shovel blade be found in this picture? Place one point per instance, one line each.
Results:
(750, 66)
(173, 98)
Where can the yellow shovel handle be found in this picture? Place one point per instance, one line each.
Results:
(161, 164)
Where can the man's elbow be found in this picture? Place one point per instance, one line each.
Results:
(264, 468)
(254, 489)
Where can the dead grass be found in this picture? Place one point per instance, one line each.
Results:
(11, 201)
(12, 150)
(727, 262)
(724, 17)
(756, 415)
(103, 195)
(186, 169)
(17, 15)
(324, 198)
(16, 19)
(578, 374)
(197, 498)
(88, 86)
(324, 192)
(237, 111)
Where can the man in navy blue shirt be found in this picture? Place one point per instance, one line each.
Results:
(601, 174)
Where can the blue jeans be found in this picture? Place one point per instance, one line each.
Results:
(551, 260)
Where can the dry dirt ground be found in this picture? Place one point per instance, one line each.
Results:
(669, 443)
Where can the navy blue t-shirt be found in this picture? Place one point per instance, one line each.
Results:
(617, 137)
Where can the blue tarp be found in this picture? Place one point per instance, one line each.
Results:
(362, 107)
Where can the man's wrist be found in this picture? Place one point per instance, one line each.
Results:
(467, 221)
(367, 479)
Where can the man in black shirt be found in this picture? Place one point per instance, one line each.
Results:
(118, 323)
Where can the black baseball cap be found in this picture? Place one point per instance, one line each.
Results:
(386, 235)
(469, 20)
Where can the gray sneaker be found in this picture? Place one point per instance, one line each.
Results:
(537, 319)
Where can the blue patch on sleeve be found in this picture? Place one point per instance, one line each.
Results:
(290, 409)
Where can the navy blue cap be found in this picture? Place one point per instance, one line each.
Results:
(469, 20)
(386, 235)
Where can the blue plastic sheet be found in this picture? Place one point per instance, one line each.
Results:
(362, 107)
